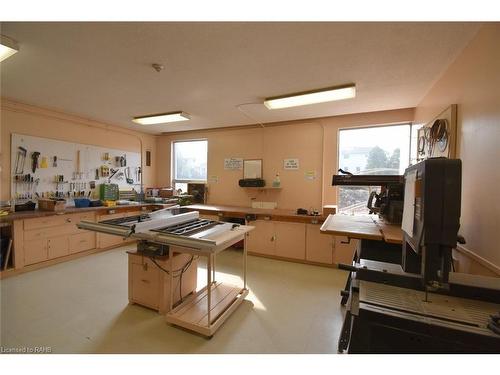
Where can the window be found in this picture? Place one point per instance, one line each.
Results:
(189, 163)
(373, 150)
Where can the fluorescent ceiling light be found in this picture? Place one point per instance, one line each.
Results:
(311, 97)
(8, 47)
(161, 118)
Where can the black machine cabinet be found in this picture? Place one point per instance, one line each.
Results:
(417, 305)
(436, 218)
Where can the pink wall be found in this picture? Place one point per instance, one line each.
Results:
(313, 142)
(25, 119)
(473, 82)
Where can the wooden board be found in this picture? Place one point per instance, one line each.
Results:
(193, 313)
(357, 226)
(392, 233)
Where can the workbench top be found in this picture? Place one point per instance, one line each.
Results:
(270, 214)
(21, 215)
(369, 227)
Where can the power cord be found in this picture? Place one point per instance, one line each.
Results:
(180, 272)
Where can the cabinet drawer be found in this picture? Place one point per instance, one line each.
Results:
(44, 222)
(86, 216)
(81, 242)
(58, 246)
(108, 240)
(35, 234)
(35, 251)
(145, 284)
(109, 217)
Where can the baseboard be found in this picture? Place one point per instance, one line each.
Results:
(275, 257)
(482, 262)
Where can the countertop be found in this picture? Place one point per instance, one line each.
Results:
(368, 227)
(21, 215)
(272, 214)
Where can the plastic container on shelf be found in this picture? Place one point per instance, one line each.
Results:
(277, 181)
(82, 202)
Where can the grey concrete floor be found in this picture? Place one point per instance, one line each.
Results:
(81, 306)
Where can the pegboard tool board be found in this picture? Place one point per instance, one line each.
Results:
(438, 137)
(76, 162)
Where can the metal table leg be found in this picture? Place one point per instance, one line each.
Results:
(345, 293)
(209, 286)
(345, 333)
(171, 270)
(245, 261)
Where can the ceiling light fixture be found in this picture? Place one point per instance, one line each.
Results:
(161, 118)
(311, 97)
(8, 47)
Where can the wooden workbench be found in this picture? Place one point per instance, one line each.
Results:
(368, 227)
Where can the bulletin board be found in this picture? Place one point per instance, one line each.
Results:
(445, 144)
(69, 156)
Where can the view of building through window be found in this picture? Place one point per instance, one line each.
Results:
(381, 150)
(189, 162)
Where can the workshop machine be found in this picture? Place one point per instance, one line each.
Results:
(175, 230)
(418, 305)
(388, 203)
(173, 226)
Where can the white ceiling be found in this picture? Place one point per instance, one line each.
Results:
(103, 71)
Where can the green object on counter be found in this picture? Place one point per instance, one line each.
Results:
(108, 192)
(185, 201)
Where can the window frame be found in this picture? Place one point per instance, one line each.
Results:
(173, 160)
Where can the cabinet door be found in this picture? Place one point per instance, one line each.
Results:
(58, 246)
(261, 240)
(319, 247)
(81, 242)
(290, 239)
(145, 284)
(344, 252)
(35, 251)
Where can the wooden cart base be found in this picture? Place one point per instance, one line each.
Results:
(193, 314)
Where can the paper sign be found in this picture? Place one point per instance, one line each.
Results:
(310, 175)
(213, 179)
(233, 164)
(291, 164)
(409, 203)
